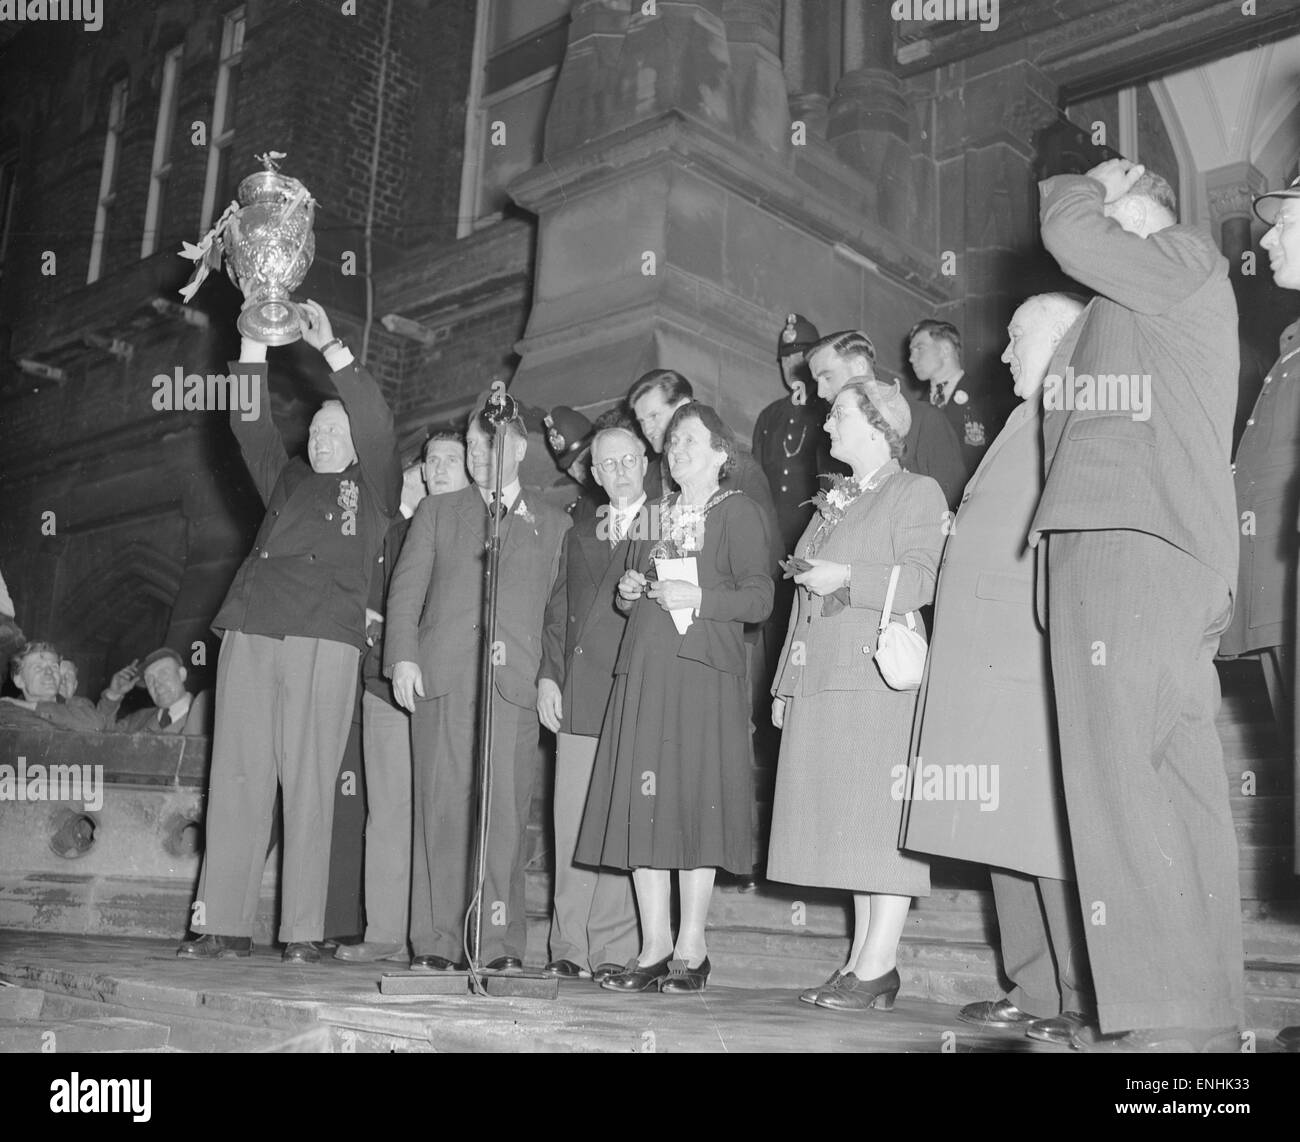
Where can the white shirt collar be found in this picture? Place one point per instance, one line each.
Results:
(179, 708)
(510, 493)
(946, 389)
(629, 511)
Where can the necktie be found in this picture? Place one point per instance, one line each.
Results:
(165, 718)
(497, 508)
(617, 530)
(936, 396)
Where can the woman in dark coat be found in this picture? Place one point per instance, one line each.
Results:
(835, 818)
(672, 787)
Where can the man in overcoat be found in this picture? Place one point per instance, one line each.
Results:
(986, 704)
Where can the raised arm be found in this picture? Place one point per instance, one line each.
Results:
(1147, 275)
(259, 439)
(917, 528)
(748, 598)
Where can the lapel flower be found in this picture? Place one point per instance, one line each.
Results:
(831, 503)
(521, 510)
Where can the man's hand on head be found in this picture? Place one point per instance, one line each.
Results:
(1117, 176)
(121, 682)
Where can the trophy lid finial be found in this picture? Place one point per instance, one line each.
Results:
(269, 160)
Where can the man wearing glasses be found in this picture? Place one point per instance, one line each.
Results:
(593, 925)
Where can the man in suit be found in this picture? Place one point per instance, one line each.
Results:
(386, 729)
(931, 448)
(293, 627)
(934, 352)
(1140, 519)
(433, 642)
(989, 675)
(593, 921)
(175, 710)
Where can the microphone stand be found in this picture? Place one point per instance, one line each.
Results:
(486, 706)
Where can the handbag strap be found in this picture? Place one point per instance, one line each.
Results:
(889, 602)
(889, 597)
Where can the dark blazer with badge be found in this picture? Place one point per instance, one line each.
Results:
(435, 599)
(583, 627)
(1175, 317)
(309, 571)
(987, 694)
(975, 417)
(1267, 475)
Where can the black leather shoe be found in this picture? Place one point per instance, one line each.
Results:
(1000, 1013)
(505, 963)
(810, 994)
(681, 979)
(1059, 1029)
(212, 947)
(431, 963)
(301, 952)
(565, 969)
(601, 972)
(855, 994)
(633, 978)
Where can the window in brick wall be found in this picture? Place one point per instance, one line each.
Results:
(518, 48)
(217, 191)
(107, 178)
(162, 151)
(8, 196)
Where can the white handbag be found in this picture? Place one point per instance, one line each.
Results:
(900, 650)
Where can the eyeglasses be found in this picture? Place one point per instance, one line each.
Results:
(627, 462)
(837, 414)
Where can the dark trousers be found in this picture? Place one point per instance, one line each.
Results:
(1134, 625)
(1043, 951)
(444, 797)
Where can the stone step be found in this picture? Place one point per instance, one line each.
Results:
(19, 1003)
(83, 1035)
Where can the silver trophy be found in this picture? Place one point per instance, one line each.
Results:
(269, 246)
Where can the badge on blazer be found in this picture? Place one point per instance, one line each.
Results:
(960, 397)
(975, 436)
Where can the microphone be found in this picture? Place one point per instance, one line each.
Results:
(501, 408)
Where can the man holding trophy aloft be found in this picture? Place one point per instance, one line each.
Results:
(293, 622)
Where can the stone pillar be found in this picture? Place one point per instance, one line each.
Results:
(868, 114)
(760, 105)
(588, 95)
(806, 58)
(988, 203)
(1231, 190)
